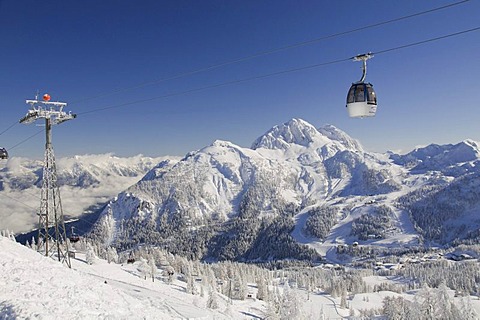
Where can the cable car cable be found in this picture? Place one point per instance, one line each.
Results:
(215, 86)
(10, 127)
(264, 53)
(426, 41)
(260, 77)
(25, 140)
(274, 73)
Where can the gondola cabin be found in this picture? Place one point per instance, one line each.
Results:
(361, 100)
(131, 258)
(74, 238)
(3, 153)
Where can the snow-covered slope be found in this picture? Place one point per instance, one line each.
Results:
(34, 286)
(84, 181)
(37, 287)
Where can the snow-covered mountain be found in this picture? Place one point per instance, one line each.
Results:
(297, 192)
(453, 160)
(84, 181)
(229, 202)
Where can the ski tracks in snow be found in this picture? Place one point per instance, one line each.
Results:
(156, 299)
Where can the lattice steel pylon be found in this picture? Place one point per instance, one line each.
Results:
(52, 237)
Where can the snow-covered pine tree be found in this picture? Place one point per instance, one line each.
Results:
(90, 254)
(291, 306)
(262, 291)
(33, 244)
(143, 268)
(393, 308)
(152, 268)
(273, 306)
(466, 310)
(444, 306)
(343, 299)
(112, 255)
(190, 287)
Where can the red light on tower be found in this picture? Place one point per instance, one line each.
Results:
(46, 97)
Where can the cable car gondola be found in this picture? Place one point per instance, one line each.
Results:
(361, 98)
(73, 236)
(3, 153)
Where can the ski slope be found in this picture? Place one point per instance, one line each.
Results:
(37, 287)
(34, 286)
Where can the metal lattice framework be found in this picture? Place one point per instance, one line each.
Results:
(52, 238)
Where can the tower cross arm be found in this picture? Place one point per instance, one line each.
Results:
(46, 109)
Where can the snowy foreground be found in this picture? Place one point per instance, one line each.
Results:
(36, 287)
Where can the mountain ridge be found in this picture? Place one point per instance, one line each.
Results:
(301, 190)
(227, 201)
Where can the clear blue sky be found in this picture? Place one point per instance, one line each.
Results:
(79, 49)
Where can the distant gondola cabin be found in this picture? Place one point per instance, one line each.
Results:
(3, 153)
(74, 238)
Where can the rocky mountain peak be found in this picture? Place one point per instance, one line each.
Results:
(301, 133)
(295, 131)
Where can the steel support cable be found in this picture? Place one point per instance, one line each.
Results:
(264, 53)
(25, 140)
(276, 73)
(216, 86)
(10, 127)
(260, 77)
(428, 40)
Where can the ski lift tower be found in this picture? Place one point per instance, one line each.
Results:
(51, 226)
